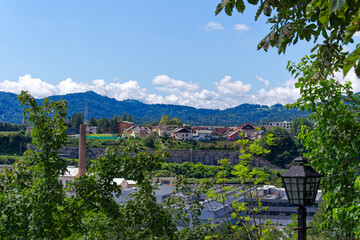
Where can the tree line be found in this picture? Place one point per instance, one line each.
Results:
(5, 126)
(14, 143)
(104, 125)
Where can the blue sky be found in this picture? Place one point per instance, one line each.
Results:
(161, 51)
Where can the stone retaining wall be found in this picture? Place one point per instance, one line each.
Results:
(177, 156)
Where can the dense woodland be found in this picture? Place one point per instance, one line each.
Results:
(146, 113)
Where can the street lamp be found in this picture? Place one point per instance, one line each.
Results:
(301, 185)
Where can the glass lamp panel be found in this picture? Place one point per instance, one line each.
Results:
(295, 191)
(312, 185)
(287, 184)
(301, 190)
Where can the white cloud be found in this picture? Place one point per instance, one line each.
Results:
(41, 89)
(232, 88)
(69, 86)
(357, 34)
(168, 83)
(266, 82)
(213, 26)
(35, 86)
(228, 93)
(241, 27)
(282, 95)
(350, 76)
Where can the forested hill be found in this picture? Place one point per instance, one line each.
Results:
(105, 107)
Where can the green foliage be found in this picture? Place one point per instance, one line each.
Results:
(124, 117)
(103, 125)
(149, 141)
(113, 124)
(165, 120)
(8, 160)
(77, 119)
(93, 122)
(298, 123)
(4, 126)
(236, 223)
(14, 143)
(333, 144)
(284, 149)
(34, 204)
(129, 118)
(10, 108)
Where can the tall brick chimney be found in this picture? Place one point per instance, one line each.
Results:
(82, 151)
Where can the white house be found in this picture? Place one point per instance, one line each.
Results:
(69, 175)
(181, 134)
(203, 135)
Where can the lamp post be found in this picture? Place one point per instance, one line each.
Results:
(301, 185)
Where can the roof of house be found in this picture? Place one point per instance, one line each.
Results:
(179, 130)
(71, 171)
(137, 129)
(126, 122)
(131, 182)
(260, 132)
(232, 133)
(162, 190)
(246, 125)
(119, 181)
(204, 131)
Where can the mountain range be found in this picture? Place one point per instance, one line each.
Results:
(105, 107)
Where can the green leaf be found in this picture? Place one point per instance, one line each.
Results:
(220, 6)
(336, 5)
(240, 6)
(357, 70)
(350, 61)
(228, 7)
(253, 2)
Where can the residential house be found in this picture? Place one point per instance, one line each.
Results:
(69, 175)
(91, 129)
(220, 131)
(161, 129)
(181, 134)
(196, 128)
(163, 180)
(203, 135)
(124, 125)
(136, 131)
(286, 125)
(247, 129)
(121, 182)
(236, 135)
(161, 193)
(258, 134)
(233, 135)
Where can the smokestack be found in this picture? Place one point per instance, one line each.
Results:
(82, 151)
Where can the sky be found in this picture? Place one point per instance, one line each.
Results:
(159, 51)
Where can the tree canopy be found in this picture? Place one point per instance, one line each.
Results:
(334, 144)
(284, 149)
(165, 120)
(298, 123)
(34, 203)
